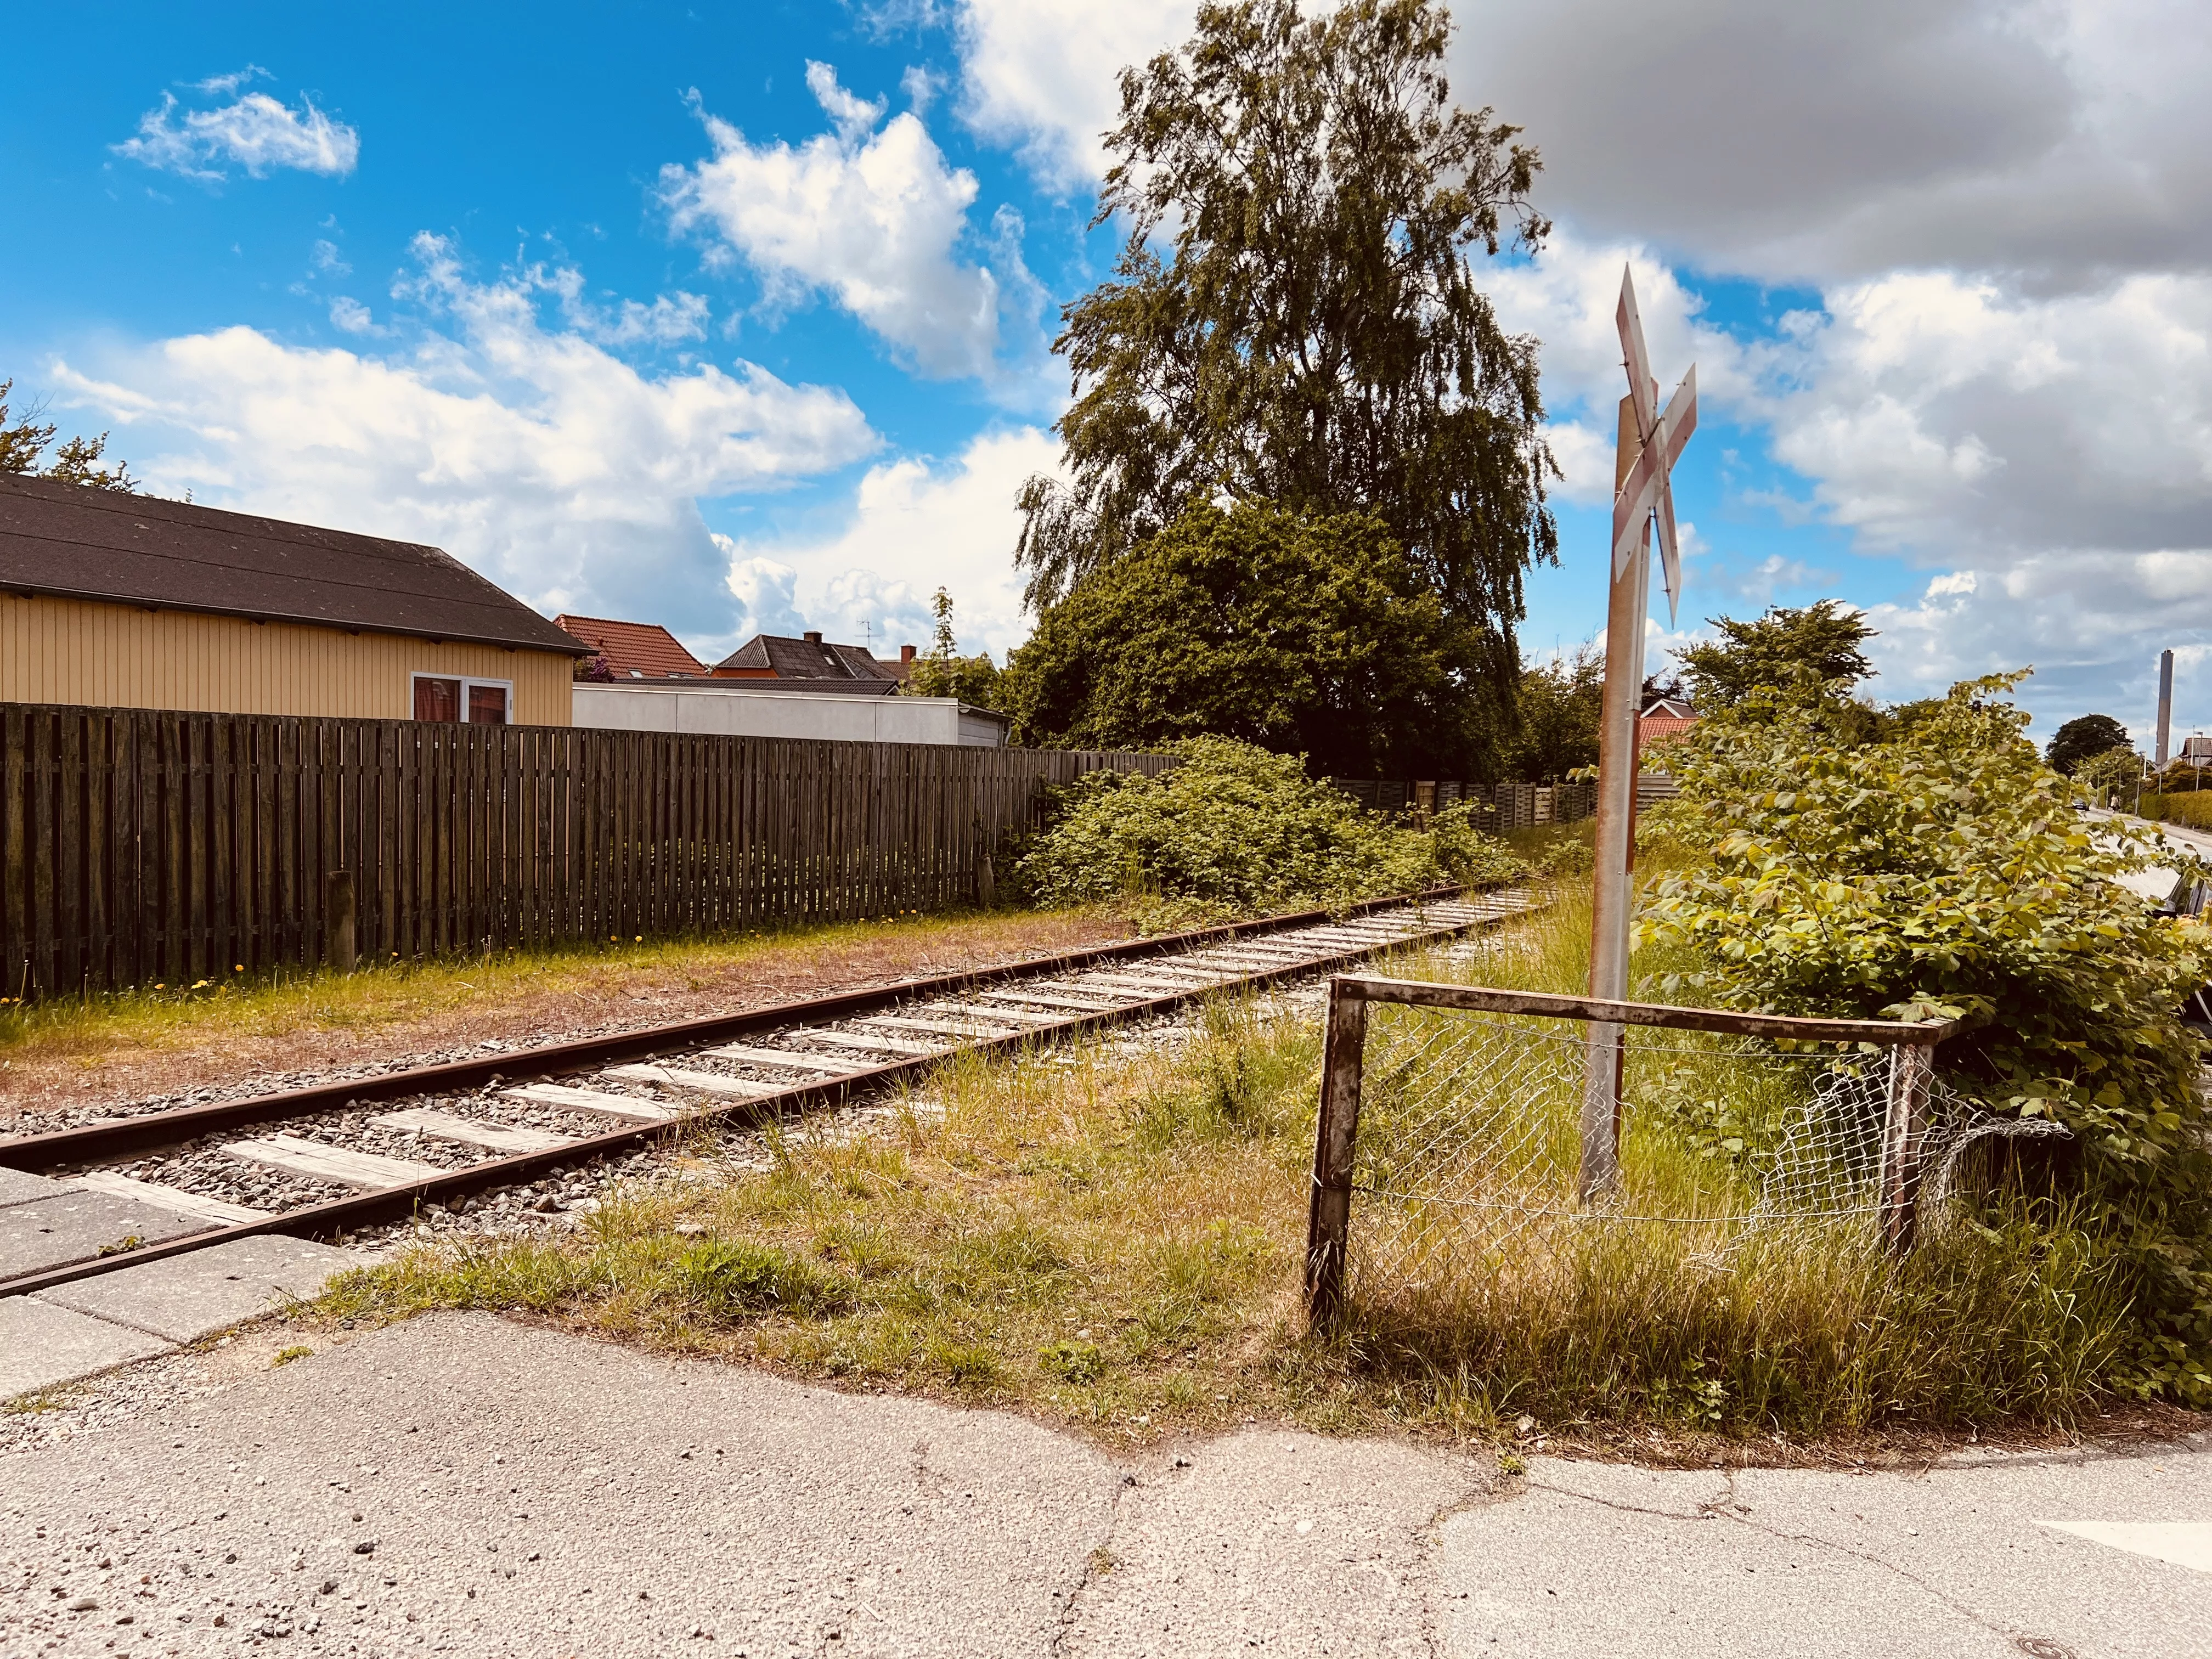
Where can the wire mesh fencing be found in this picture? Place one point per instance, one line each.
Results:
(1465, 1130)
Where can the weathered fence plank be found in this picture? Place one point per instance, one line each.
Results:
(141, 846)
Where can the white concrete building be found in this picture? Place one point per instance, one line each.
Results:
(772, 708)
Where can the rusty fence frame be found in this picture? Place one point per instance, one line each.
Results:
(1913, 1045)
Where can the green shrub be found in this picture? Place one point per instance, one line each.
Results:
(1235, 829)
(1943, 870)
(2188, 808)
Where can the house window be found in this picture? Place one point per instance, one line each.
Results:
(451, 698)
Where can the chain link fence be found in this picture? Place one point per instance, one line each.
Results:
(1453, 1121)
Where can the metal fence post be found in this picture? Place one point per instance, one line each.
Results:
(1905, 1134)
(1335, 1136)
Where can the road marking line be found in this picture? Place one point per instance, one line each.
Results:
(2184, 1543)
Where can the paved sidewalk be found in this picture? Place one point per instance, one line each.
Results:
(464, 1484)
(136, 1311)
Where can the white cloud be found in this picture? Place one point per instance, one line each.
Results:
(256, 132)
(876, 218)
(2092, 624)
(554, 468)
(1799, 144)
(670, 320)
(325, 257)
(913, 528)
(351, 315)
(1040, 75)
(1937, 412)
(1822, 143)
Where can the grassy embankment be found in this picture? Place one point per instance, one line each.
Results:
(172, 1037)
(1111, 1238)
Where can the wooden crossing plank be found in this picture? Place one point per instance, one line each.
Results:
(216, 1211)
(324, 1162)
(828, 1064)
(473, 1132)
(882, 1045)
(633, 1107)
(713, 1083)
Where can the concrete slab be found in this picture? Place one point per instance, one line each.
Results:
(189, 1296)
(16, 1187)
(1601, 1558)
(41, 1345)
(75, 1224)
(466, 1485)
(1280, 1542)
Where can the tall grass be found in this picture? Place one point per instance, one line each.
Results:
(1113, 1237)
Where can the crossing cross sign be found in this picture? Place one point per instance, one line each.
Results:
(1649, 452)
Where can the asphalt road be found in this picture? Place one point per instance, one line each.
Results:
(461, 1483)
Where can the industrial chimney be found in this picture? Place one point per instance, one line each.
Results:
(2165, 701)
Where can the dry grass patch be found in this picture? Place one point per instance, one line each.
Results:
(159, 1040)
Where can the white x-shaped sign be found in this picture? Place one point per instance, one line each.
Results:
(1647, 489)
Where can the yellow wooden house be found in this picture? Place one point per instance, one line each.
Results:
(119, 600)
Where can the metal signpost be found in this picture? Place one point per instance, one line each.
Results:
(1651, 441)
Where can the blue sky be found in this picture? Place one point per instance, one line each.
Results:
(735, 317)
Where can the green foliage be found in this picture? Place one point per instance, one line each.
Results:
(1315, 336)
(1821, 639)
(25, 440)
(1560, 707)
(1073, 1361)
(944, 673)
(2083, 737)
(2107, 769)
(2193, 808)
(1236, 829)
(1943, 870)
(731, 1278)
(1304, 633)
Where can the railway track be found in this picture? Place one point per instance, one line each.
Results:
(334, 1158)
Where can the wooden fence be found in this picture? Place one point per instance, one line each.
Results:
(1498, 807)
(141, 846)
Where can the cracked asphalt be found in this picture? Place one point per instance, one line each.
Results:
(463, 1484)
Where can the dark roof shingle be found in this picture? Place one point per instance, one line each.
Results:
(807, 660)
(86, 543)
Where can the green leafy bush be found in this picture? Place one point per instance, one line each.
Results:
(2192, 810)
(1943, 870)
(1235, 829)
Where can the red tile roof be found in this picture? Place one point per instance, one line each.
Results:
(634, 650)
(1652, 730)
